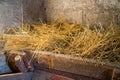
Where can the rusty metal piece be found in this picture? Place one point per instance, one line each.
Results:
(18, 61)
(26, 63)
(16, 64)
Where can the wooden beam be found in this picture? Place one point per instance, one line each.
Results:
(75, 65)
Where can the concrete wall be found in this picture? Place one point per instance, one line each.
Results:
(88, 12)
(10, 13)
(33, 10)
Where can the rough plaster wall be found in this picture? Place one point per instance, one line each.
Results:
(12, 12)
(9, 13)
(88, 12)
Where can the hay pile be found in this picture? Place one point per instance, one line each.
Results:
(66, 38)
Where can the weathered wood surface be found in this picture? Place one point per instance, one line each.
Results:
(17, 76)
(79, 66)
(18, 61)
(57, 75)
(42, 75)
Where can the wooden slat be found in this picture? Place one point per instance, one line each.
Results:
(73, 65)
(42, 75)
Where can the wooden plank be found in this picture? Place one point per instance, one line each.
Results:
(65, 74)
(17, 76)
(74, 65)
(42, 75)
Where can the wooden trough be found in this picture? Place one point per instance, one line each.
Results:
(75, 68)
(66, 67)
